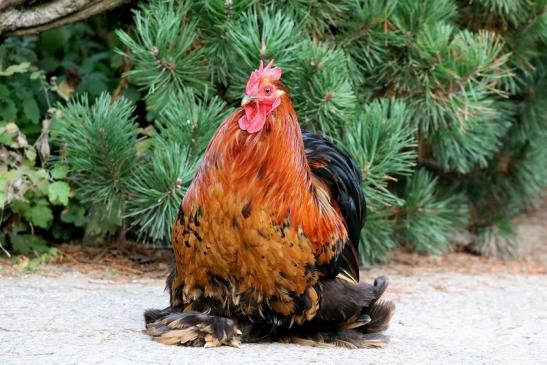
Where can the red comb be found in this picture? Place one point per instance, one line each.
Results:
(272, 73)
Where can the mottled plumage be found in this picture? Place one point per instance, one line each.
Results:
(267, 235)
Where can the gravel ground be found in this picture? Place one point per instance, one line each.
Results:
(446, 318)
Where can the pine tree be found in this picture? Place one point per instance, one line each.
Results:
(441, 103)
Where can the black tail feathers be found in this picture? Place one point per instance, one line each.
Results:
(153, 315)
(352, 316)
(380, 311)
(380, 286)
(380, 314)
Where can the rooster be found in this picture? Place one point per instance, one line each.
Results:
(267, 235)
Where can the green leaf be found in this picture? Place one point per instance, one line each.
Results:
(59, 172)
(40, 179)
(31, 109)
(26, 244)
(19, 206)
(74, 215)
(30, 154)
(8, 110)
(6, 137)
(40, 216)
(35, 75)
(53, 40)
(58, 193)
(20, 244)
(20, 68)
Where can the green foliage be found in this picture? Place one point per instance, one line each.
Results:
(37, 201)
(497, 239)
(28, 193)
(270, 34)
(47, 254)
(442, 104)
(21, 88)
(216, 18)
(364, 35)
(99, 149)
(157, 189)
(36, 72)
(316, 16)
(191, 121)
(378, 236)
(430, 217)
(26, 244)
(165, 57)
(383, 146)
(461, 148)
(326, 99)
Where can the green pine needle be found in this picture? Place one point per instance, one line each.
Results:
(98, 144)
(157, 188)
(457, 87)
(164, 52)
(429, 217)
(191, 121)
(499, 239)
(324, 99)
(267, 35)
(377, 238)
(383, 146)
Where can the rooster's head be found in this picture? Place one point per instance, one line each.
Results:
(262, 96)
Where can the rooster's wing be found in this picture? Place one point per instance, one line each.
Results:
(338, 171)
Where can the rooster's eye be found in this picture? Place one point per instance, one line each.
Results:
(268, 90)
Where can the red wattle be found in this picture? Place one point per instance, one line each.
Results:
(254, 118)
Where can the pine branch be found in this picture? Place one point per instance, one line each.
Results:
(377, 238)
(267, 35)
(98, 145)
(216, 18)
(430, 218)
(461, 148)
(499, 239)
(317, 16)
(157, 188)
(383, 145)
(165, 52)
(191, 121)
(324, 97)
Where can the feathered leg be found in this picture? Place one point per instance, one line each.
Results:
(173, 327)
(349, 315)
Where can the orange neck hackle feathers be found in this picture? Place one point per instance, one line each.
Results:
(267, 169)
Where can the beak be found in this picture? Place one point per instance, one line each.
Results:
(246, 100)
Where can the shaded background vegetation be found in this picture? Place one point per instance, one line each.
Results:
(441, 103)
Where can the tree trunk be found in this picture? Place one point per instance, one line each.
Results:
(24, 17)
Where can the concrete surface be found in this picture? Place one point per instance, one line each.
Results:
(441, 318)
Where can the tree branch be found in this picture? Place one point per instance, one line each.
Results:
(8, 3)
(38, 18)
